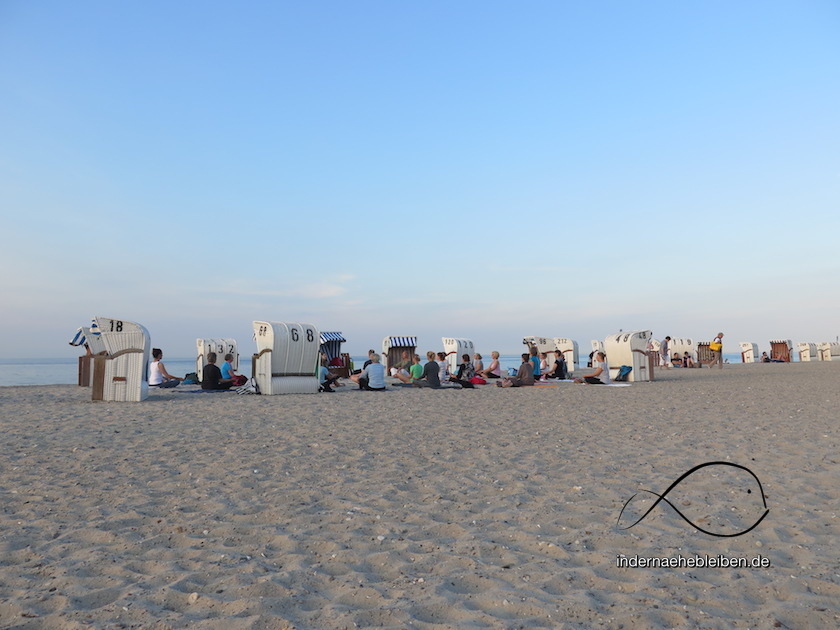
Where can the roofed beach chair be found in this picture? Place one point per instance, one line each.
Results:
(807, 351)
(597, 346)
(393, 347)
(630, 348)
(683, 345)
(828, 351)
(570, 351)
(749, 352)
(542, 344)
(781, 350)
(221, 347)
(120, 371)
(459, 347)
(338, 362)
(288, 358)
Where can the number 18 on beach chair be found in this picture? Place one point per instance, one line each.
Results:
(287, 359)
(120, 372)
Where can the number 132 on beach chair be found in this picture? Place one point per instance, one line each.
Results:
(287, 359)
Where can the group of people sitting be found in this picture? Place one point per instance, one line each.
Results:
(682, 361)
(213, 378)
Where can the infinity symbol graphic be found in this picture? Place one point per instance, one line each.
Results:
(662, 497)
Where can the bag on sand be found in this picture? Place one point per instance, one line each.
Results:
(623, 373)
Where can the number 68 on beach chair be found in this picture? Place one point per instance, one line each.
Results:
(287, 359)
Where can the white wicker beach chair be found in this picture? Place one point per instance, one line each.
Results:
(287, 359)
(120, 371)
(460, 347)
(221, 347)
(392, 349)
(630, 348)
(570, 351)
(807, 351)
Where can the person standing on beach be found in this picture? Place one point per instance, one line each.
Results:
(158, 376)
(664, 354)
(716, 348)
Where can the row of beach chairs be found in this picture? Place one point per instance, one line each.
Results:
(289, 353)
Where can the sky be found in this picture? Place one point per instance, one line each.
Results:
(478, 169)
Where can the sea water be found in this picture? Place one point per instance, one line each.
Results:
(64, 371)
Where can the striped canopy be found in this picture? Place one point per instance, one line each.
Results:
(403, 342)
(331, 344)
(80, 338)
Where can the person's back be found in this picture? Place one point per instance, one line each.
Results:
(375, 373)
(431, 373)
(525, 374)
(212, 377)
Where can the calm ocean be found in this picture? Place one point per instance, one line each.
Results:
(64, 371)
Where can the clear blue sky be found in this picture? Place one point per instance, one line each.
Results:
(476, 169)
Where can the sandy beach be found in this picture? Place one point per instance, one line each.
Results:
(486, 508)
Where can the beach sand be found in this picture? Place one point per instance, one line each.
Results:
(486, 508)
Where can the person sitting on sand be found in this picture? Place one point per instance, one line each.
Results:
(601, 375)
(228, 372)
(676, 360)
(158, 376)
(325, 379)
(212, 379)
(559, 371)
(414, 372)
(535, 361)
(495, 368)
(443, 366)
(687, 361)
(372, 378)
(478, 364)
(544, 369)
(402, 366)
(765, 358)
(524, 375)
(431, 372)
(465, 372)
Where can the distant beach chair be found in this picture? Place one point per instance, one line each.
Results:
(542, 344)
(331, 346)
(828, 350)
(393, 347)
(121, 370)
(704, 353)
(597, 346)
(807, 351)
(749, 352)
(287, 359)
(570, 351)
(459, 347)
(781, 350)
(685, 346)
(630, 348)
(221, 347)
